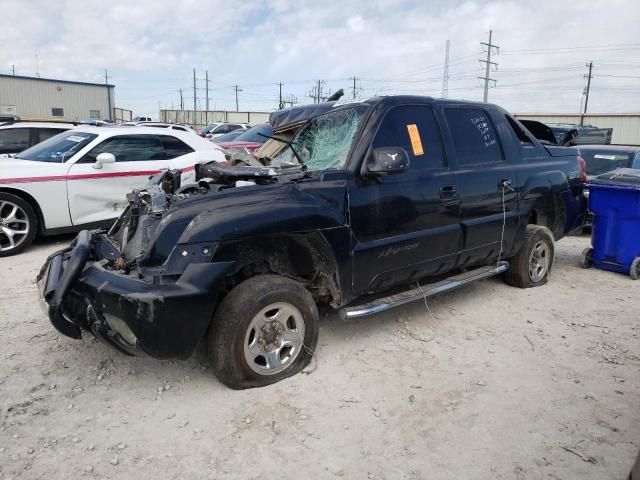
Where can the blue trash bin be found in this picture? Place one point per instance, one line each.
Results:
(614, 199)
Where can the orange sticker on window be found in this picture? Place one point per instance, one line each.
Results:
(416, 143)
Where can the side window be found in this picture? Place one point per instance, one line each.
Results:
(14, 140)
(636, 161)
(46, 133)
(524, 139)
(174, 147)
(222, 129)
(129, 148)
(231, 128)
(413, 128)
(474, 137)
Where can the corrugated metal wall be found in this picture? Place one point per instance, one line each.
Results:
(626, 127)
(201, 119)
(35, 98)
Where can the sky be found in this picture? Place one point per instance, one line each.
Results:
(150, 48)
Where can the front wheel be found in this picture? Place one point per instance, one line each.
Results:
(531, 266)
(18, 224)
(264, 330)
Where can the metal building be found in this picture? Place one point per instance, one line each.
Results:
(46, 98)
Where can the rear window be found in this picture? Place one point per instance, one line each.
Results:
(14, 140)
(174, 147)
(474, 136)
(603, 162)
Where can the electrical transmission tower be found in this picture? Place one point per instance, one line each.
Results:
(488, 63)
(445, 73)
(316, 92)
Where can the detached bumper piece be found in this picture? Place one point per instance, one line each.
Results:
(163, 319)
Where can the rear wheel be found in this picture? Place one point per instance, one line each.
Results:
(531, 266)
(265, 330)
(18, 224)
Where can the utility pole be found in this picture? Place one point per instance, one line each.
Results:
(194, 93)
(106, 82)
(445, 73)
(488, 62)
(354, 86)
(319, 90)
(237, 89)
(206, 82)
(37, 67)
(586, 93)
(280, 102)
(13, 69)
(181, 100)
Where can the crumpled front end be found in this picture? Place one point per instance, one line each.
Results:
(99, 284)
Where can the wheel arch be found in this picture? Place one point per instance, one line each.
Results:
(548, 211)
(27, 197)
(305, 257)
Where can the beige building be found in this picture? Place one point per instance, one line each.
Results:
(45, 98)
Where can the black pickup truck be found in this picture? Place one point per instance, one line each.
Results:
(370, 205)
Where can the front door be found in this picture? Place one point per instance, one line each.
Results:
(405, 225)
(101, 194)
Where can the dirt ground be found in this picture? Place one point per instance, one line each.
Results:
(495, 383)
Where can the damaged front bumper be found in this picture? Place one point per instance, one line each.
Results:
(162, 317)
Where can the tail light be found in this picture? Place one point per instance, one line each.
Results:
(583, 169)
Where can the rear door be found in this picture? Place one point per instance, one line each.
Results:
(405, 225)
(100, 194)
(482, 164)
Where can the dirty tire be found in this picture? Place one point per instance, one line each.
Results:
(238, 311)
(586, 258)
(26, 220)
(634, 271)
(536, 238)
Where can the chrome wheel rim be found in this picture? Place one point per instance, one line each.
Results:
(274, 338)
(539, 261)
(14, 225)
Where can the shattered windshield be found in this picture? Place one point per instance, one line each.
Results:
(325, 141)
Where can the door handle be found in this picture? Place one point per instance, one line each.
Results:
(448, 192)
(505, 184)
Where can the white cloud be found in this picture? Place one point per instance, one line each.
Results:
(150, 48)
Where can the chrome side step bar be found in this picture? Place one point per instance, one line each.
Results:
(382, 304)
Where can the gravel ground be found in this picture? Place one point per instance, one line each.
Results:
(496, 382)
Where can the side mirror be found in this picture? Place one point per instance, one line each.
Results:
(103, 158)
(388, 160)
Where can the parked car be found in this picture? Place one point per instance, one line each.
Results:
(570, 134)
(170, 126)
(81, 177)
(16, 136)
(208, 128)
(226, 128)
(601, 159)
(369, 198)
(142, 119)
(228, 137)
(250, 140)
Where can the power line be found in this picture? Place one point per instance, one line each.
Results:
(488, 63)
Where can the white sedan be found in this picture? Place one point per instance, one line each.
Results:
(79, 179)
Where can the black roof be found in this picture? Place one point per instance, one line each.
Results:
(73, 82)
(302, 113)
